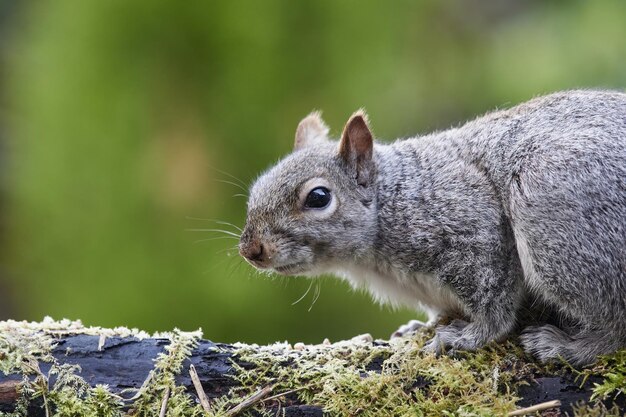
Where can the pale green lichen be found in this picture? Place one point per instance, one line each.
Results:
(51, 327)
(347, 378)
(21, 350)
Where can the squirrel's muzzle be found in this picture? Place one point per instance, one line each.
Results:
(255, 252)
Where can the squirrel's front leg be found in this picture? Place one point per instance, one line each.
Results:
(490, 297)
(413, 326)
(461, 335)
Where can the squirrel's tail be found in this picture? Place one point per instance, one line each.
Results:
(549, 342)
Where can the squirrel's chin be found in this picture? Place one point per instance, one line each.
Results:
(296, 268)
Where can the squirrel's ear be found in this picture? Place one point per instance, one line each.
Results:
(311, 131)
(356, 146)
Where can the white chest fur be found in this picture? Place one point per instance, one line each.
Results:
(419, 291)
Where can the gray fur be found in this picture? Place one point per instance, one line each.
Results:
(516, 212)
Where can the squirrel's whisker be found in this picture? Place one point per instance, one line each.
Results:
(230, 175)
(303, 295)
(216, 238)
(233, 248)
(215, 230)
(318, 290)
(237, 267)
(215, 221)
(232, 183)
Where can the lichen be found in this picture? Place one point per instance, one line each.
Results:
(49, 327)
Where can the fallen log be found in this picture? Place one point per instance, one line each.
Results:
(64, 367)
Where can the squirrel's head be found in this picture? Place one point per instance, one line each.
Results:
(316, 208)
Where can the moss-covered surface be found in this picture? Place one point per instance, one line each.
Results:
(350, 378)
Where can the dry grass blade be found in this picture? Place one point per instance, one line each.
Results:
(141, 389)
(166, 398)
(250, 401)
(204, 400)
(534, 408)
(282, 394)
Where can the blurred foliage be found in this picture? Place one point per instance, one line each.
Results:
(122, 118)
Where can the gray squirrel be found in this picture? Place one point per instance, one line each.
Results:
(519, 213)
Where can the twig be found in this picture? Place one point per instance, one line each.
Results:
(282, 394)
(45, 403)
(204, 400)
(166, 398)
(250, 401)
(537, 407)
(102, 341)
(10, 390)
(45, 382)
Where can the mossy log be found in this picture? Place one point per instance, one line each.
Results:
(126, 365)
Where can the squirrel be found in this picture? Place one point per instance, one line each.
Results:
(519, 213)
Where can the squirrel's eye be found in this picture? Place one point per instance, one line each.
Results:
(318, 198)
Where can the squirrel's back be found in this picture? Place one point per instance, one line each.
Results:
(585, 125)
(548, 178)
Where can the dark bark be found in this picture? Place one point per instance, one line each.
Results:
(125, 363)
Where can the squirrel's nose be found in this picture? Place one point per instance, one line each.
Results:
(254, 251)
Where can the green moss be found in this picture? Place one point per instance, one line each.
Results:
(596, 410)
(612, 368)
(349, 378)
(24, 345)
(162, 379)
(339, 378)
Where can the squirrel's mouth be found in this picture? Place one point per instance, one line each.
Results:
(291, 269)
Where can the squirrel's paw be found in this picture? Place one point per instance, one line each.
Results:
(449, 338)
(408, 329)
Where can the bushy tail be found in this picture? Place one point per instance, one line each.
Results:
(583, 348)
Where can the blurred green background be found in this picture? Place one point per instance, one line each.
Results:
(120, 120)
